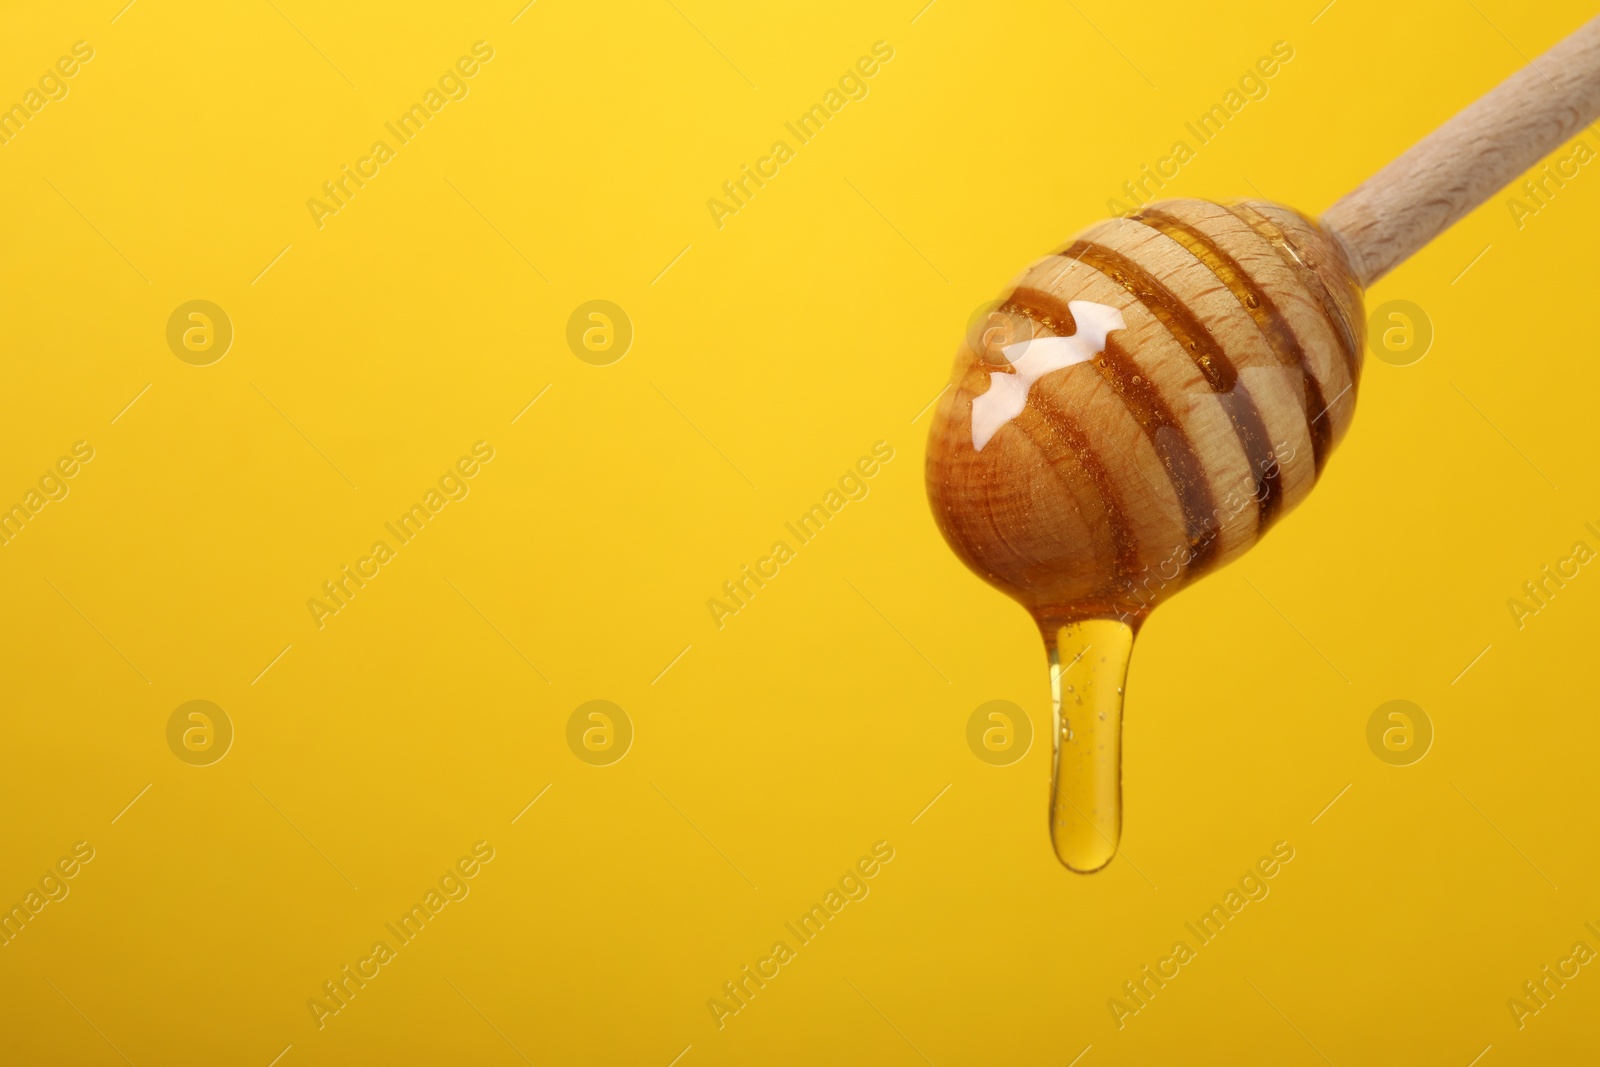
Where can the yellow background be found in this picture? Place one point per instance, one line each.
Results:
(827, 714)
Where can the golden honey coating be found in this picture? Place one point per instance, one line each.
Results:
(1171, 451)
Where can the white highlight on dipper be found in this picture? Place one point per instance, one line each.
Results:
(1033, 359)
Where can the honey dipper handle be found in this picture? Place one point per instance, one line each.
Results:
(1467, 160)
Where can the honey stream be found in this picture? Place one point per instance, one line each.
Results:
(1088, 673)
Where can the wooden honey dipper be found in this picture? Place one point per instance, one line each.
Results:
(1222, 346)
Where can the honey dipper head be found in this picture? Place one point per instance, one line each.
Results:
(1144, 403)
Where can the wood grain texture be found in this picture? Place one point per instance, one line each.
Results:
(1467, 160)
(1203, 420)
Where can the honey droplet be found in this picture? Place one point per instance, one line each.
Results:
(1086, 772)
